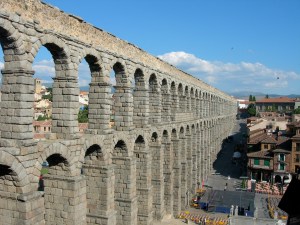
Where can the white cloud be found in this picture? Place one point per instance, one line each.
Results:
(1, 65)
(44, 68)
(230, 76)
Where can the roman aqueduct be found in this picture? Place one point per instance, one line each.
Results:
(168, 128)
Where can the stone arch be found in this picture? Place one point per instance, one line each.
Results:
(154, 137)
(120, 149)
(140, 99)
(61, 151)
(119, 67)
(174, 134)
(187, 99)
(63, 94)
(11, 39)
(154, 100)
(181, 98)
(94, 60)
(174, 101)
(97, 77)
(58, 49)
(166, 98)
(165, 136)
(143, 178)
(13, 176)
(122, 98)
(124, 173)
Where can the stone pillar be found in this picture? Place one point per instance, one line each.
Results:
(168, 177)
(174, 105)
(193, 106)
(203, 156)
(154, 106)
(206, 153)
(16, 106)
(100, 181)
(201, 108)
(166, 107)
(65, 107)
(194, 162)
(158, 180)
(22, 209)
(125, 190)
(199, 156)
(189, 165)
(184, 188)
(198, 108)
(182, 104)
(144, 186)
(65, 200)
(188, 102)
(123, 107)
(141, 107)
(99, 108)
(177, 177)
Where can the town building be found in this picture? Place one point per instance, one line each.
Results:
(281, 104)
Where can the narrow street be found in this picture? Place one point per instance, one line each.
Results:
(225, 171)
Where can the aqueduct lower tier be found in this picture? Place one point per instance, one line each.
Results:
(168, 126)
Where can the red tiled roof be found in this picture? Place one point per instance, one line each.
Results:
(270, 140)
(260, 154)
(46, 123)
(83, 126)
(276, 100)
(257, 139)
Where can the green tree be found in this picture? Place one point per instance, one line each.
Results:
(267, 96)
(250, 98)
(251, 110)
(83, 115)
(253, 99)
(42, 118)
(297, 111)
(49, 97)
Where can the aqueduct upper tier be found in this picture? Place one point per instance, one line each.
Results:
(168, 126)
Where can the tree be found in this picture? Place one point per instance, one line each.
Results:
(251, 109)
(83, 114)
(42, 118)
(253, 99)
(297, 111)
(250, 98)
(267, 96)
(49, 96)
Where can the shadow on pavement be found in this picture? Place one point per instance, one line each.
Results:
(224, 165)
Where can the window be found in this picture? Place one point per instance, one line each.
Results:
(298, 147)
(281, 157)
(281, 166)
(267, 162)
(266, 146)
(297, 160)
(256, 162)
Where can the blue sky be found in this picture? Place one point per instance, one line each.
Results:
(234, 45)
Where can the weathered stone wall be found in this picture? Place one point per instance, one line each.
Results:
(167, 131)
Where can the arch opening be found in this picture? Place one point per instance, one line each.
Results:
(154, 103)
(140, 113)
